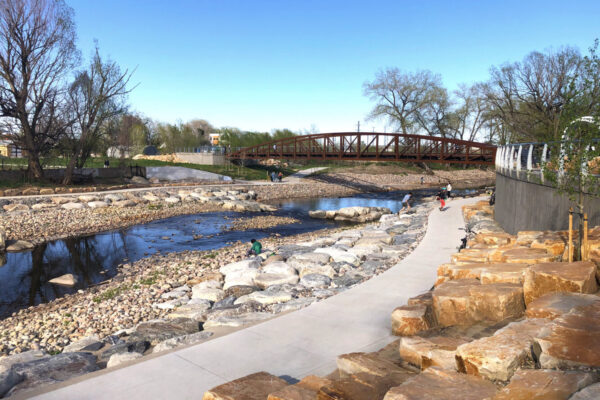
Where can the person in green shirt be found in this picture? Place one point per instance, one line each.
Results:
(255, 249)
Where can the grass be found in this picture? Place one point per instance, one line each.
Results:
(110, 293)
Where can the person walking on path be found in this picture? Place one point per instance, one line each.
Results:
(449, 190)
(255, 249)
(406, 201)
(440, 197)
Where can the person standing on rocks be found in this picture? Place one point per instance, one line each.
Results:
(255, 249)
(449, 190)
(406, 201)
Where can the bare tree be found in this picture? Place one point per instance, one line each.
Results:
(470, 117)
(201, 129)
(37, 48)
(401, 96)
(96, 97)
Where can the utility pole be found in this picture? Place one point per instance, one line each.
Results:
(358, 126)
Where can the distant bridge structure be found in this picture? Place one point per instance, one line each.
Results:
(365, 146)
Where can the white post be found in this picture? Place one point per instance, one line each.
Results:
(530, 158)
(544, 153)
(519, 157)
(511, 158)
(498, 151)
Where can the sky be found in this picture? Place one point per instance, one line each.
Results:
(260, 65)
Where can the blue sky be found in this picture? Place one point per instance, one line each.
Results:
(261, 65)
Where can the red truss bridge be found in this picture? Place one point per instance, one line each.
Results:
(372, 147)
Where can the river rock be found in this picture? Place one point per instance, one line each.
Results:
(265, 298)
(65, 280)
(239, 266)
(315, 281)
(184, 340)
(575, 277)
(53, 369)
(150, 197)
(158, 330)
(410, 320)
(240, 290)
(545, 384)
(121, 358)
(195, 310)
(310, 268)
(466, 302)
(42, 206)
(172, 200)
(273, 258)
(226, 302)
(72, 206)
(46, 191)
(437, 351)
(124, 203)
(280, 268)
(6, 363)
(442, 384)
(236, 321)
(292, 305)
(88, 343)
(310, 257)
(571, 339)
(254, 386)
(339, 255)
(97, 204)
(86, 198)
(244, 277)
(320, 214)
(125, 347)
(61, 200)
(497, 357)
(170, 304)
(265, 280)
(19, 245)
(211, 294)
(8, 379)
(15, 207)
(554, 305)
(591, 392)
(2, 240)
(113, 197)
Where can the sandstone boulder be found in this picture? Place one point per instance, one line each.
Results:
(503, 273)
(466, 302)
(369, 363)
(497, 357)
(121, 358)
(470, 256)
(526, 256)
(554, 305)
(15, 207)
(525, 238)
(571, 339)
(431, 351)
(410, 320)
(552, 242)
(362, 386)
(591, 392)
(576, 277)
(545, 385)
(439, 384)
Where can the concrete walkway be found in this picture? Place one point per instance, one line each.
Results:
(295, 344)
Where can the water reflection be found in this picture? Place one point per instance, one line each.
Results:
(24, 276)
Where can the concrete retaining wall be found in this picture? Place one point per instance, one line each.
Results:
(183, 174)
(202, 158)
(56, 174)
(523, 205)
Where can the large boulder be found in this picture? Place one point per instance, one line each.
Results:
(467, 301)
(239, 266)
(339, 255)
(425, 352)
(411, 319)
(369, 363)
(121, 358)
(503, 273)
(158, 330)
(554, 305)
(254, 386)
(576, 277)
(526, 256)
(88, 343)
(265, 280)
(591, 392)
(442, 384)
(545, 384)
(184, 340)
(207, 293)
(497, 357)
(571, 339)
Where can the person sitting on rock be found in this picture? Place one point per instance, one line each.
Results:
(406, 201)
(255, 249)
(279, 176)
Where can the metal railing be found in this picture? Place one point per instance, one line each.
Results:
(202, 149)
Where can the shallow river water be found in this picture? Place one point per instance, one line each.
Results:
(24, 276)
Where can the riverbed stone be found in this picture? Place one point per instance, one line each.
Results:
(65, 280)
(554, 305)
(19, 245)
(410, 320)
(211, 294)
(425, 352)
(130, 346)
(497, 357)
(571, 340)
(15, 207)
(195, 309)
(293, 305)
(256, 386)
(278, 267)
(591, 392)
(53, 369)
(7, 362)
(347, 280)
(339, 255)
(172, 200)
(42, 206)
(158, 330)
(113, 197)
(2, 240)
(121, 358)
(124, 203)
(442, 384)
(315, 281)
(97, 204)
(72, 206)
(239, 266)
(86, 198)
(575, 277)
(244, 277)
(240, 290)
(265, 280)
(541, 384)
(311, 257)
(184, 340)
(88, 343)
(265, 298)
(236, 321)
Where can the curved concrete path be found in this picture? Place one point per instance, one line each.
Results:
(295, 344)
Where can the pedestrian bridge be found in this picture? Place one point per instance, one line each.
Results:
(363, 146)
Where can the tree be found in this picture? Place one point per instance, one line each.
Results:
(470, 117)
(528, 97)
(201, 129)
(37, 48)
(96, 96)
(401, 96)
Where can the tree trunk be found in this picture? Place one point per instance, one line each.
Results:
(68, 178)
(35, 167)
